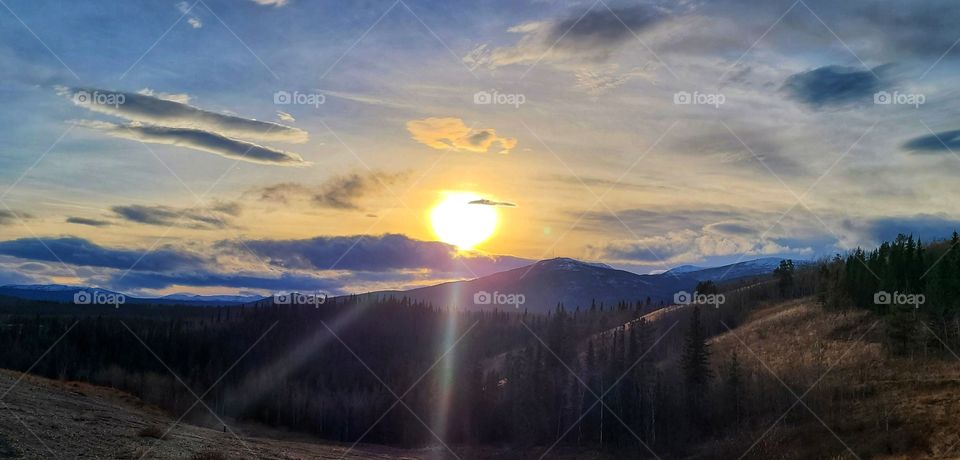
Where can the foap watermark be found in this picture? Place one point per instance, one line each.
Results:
(698, 98)
(696, 298)
(96, 297)
(298, 298)
(898, 298)
(83, 97)
(898, 98)
(494, 97)
(315, 98)
(498, 298)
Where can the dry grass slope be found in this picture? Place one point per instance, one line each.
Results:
(863, 403)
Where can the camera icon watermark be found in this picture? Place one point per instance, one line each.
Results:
(493, 97)
(498, 298)
(696, 298)
(315, 98)
(698, 98)
(298, 298)
(95, 297)
(84, 97)
(898, 98)
(898, 298)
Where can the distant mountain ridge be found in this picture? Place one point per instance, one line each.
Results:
(574, 283)
(538, 287)
(67, 294)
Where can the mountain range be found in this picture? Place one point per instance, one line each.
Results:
(538, 287)
(541, 286)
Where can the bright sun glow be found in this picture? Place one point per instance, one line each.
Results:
(461, 224)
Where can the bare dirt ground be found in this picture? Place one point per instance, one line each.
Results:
(42, 418)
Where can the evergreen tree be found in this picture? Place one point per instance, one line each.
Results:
(695, 363)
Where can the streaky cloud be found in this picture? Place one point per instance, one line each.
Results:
(155, 109)
(487, 202)
(88, 222)
(204, 141)
(942, 142)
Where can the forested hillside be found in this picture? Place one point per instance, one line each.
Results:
(626, 379)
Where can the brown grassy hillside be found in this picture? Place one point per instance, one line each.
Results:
(862, 403)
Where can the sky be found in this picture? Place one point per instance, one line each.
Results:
(256, 146)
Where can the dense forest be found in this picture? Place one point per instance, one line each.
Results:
(630, 377)
(914, 287)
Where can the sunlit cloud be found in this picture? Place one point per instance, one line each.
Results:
(452, 134)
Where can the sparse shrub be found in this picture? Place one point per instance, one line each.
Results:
(208, 455)
(152, 431)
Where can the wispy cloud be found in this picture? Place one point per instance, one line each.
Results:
(9, 217)
(583, 37)
(192, 18)
(276, 3)
(344, 191)
(211, 217)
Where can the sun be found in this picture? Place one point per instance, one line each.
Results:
(455, 221)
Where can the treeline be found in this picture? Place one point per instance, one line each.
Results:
(280, 364)
(913, 286)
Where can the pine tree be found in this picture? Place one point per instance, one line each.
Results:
(695, 363)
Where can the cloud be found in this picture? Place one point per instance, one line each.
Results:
(590, 36)
(212, 217)
(182, 98)
(599, 81)
(835, 86)
(284, 116)
(927, 227)
(275, 3)
(487, 202)
(452, 133)
(154, 110)
(942, 142)
(365, 262)
(86, 221)
(203, 141)
(374, 253)
(731, 228)
(81, 252)
(192, 19)
(202, 278)
(8, 217)
(344, 191)
(687, 246)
